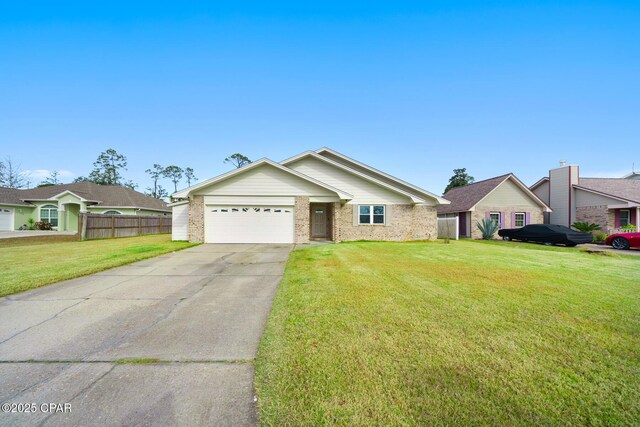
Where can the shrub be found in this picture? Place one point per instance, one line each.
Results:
(42, 225)
(488, 228)
(31, 225)
(599, 237)
(585, 227)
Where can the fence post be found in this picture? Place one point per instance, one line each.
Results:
(139, 226)
(83, 221)
(113, 226)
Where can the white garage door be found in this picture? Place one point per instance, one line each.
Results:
(248, 224)
(6, 219)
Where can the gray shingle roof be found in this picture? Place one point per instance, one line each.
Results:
(464, 198)
(628, 189)
(105, 195)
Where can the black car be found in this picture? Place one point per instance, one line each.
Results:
(546, 233)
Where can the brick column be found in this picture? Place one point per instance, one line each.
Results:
(302, 219)
(196, 219)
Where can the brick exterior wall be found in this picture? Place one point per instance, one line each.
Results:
(600, 215)
(406, 222)
(535, 217)
(302, 219)
(196, 219)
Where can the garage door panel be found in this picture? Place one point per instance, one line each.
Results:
(249, 224)
(6, 219)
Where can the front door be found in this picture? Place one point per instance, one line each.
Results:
(319, 221)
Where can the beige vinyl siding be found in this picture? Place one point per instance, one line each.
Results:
(265, 180)
(249, 200)
(429, 198)
(542, 191)
(562, 199)
(364, 191)
(586, 198)
(509, 194)
(180, 222)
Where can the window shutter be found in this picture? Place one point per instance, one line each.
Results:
(387, 215)
(513, 219)
(502, 214)
(527, 218)
(355, 215)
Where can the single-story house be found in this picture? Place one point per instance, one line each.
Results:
(505, 199)
(609, 202)
(314, 195)
(60, 205)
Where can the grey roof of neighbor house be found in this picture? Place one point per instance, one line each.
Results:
(464, 198)
(103, 195)
(625, 188)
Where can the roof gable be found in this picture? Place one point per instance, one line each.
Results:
(378, 174)
(466, 198)
(345, 169)
(251, 168)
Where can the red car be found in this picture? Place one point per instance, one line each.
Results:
(624, 240)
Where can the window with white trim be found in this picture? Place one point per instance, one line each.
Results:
(112, 213)
(519, 219)
(49, 213)
(625, 217)
(371, 214)
(495, 217)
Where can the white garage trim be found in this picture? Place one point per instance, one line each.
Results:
(180, 222)
(249, 200)
(249, 224)
(7, 218)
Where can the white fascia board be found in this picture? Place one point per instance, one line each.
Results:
(57, 196)
(128, 207)
(440, 200)
(539, 182)
(181, 202)
(185, 193)
(414, 199)
(17, 205)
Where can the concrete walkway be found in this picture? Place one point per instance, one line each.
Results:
(166, 341)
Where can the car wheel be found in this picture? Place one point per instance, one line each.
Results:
(620, 243)
(506, 238)
(548, 244)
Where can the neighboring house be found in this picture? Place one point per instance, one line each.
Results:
(609, 202)
(505, 199)
(61, 205)
(315, 195)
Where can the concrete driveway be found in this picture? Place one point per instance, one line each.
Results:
(166, 341)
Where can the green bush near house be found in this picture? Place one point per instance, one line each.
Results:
(471, 333)
(585, 227)
(488, 228)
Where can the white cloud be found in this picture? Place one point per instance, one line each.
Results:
(45, 173)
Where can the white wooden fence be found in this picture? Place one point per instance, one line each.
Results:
(448, 228)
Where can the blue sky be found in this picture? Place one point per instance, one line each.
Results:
(413, 88)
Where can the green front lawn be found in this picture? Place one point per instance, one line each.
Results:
(27, 266)
(465, 333)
